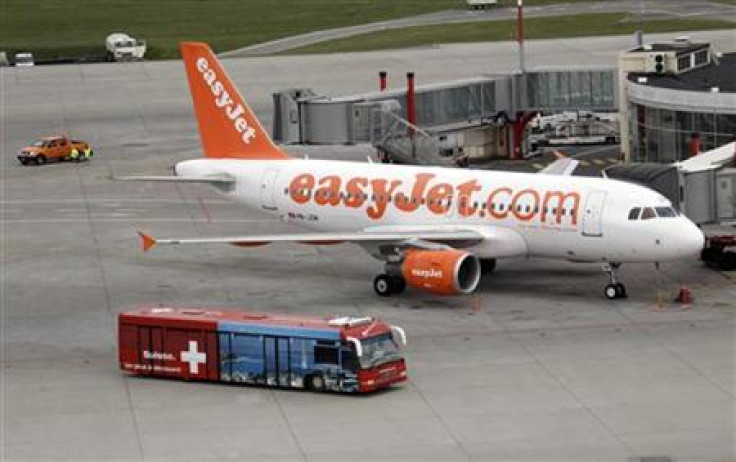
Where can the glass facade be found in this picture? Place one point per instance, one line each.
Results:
(571, 89)
(663, 135)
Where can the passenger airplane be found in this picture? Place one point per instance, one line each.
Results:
(436, 229)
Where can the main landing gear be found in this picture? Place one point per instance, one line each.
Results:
(614, 289)
(386, 285)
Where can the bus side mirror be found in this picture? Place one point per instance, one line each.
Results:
(358, 346)
(397, 331)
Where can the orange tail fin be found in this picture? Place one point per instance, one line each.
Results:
(227, 126)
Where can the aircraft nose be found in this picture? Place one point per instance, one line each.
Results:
(691, 240)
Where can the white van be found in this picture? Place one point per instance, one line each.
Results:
(481, 4)
(24, 59)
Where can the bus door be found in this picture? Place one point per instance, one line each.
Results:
(151, 347)
(277, 367)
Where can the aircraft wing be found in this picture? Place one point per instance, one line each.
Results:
(402, 237)
(491, 241)
(562, 166)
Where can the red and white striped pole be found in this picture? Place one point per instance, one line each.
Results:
(520, 34)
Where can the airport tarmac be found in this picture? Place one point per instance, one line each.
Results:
(544, 369)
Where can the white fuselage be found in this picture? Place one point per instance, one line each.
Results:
(554, 216)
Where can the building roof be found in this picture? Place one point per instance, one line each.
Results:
(719, 75)
(679, 47)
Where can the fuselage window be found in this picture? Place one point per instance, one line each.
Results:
(666, 212)
(634, 213)
(648, 213)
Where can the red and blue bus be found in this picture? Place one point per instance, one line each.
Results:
(344, 354)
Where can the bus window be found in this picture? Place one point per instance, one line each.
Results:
(349, 360)
(246, 358)
(634, 213)
(325, 354)
(378, 350)
(648, 213)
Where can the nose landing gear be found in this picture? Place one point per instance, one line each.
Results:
(614, 289)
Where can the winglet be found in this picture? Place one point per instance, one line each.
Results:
(147, 241)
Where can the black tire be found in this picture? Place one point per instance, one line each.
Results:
(383, 285)
(487, 265)
(727, 261)
(40, 160)
(23, 161)
(610, 292)
(621, 289)
(316, 383)
(398, 285)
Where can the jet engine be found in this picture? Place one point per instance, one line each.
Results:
(442, 272)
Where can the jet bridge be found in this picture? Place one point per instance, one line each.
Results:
(477, 117)
(702, 187)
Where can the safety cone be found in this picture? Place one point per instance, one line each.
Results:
(685, 296)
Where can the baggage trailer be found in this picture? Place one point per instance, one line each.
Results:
(341, 354)
(715, 254)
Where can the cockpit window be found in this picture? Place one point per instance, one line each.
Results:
(634, 213)
(648, 213)
(666, 212)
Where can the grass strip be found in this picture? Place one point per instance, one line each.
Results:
(535, 28)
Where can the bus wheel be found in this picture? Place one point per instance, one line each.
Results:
(316, 383)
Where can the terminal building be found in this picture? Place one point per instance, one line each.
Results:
(673, 99)
(676, 98)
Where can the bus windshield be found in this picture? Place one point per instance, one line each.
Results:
(378, 350)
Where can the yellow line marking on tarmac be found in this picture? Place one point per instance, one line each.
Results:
(585, 162)
(538, 166)
(613, 160)
(599, 162)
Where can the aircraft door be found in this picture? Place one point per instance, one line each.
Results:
(593, 214)
(268, 199)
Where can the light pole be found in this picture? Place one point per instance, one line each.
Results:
(520, 34)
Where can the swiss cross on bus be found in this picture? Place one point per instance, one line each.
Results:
(193, 357)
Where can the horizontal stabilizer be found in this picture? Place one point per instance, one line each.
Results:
(210, 179)
(562, 166)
